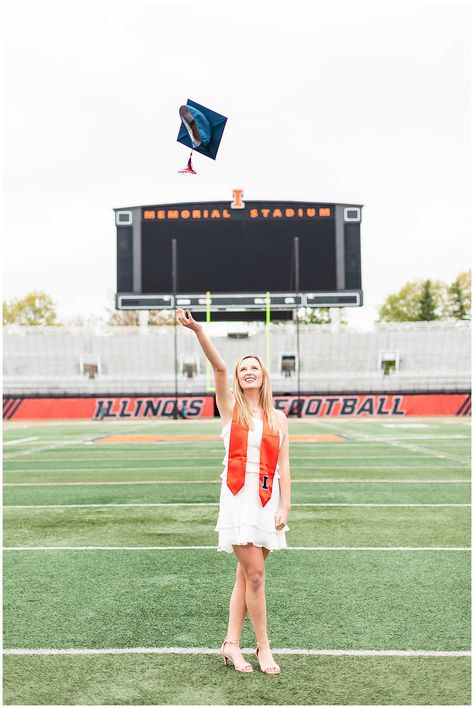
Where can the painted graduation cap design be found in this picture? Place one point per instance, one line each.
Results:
(201, 129)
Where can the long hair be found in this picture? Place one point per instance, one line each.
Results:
(265, 397)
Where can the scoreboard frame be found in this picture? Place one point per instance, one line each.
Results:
(347, 219)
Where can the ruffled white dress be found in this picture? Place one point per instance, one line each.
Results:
(242, 518)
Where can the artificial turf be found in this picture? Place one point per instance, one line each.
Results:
(326, 599)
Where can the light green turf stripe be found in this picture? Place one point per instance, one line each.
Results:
(218, 481)
(163, 468)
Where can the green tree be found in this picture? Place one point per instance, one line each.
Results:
(36, 308)
(458, 301)
(414, 302)
(427, 303)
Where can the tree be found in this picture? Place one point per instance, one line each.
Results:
(427, 303)
(161, 317)
(458, 305)
(317, 315)
(36, 308)
(414, 302)
(131, 318)
(123, 318)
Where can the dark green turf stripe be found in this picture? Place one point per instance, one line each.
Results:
(309, 526)
(339, 600)
(203, 680)
(335, 493)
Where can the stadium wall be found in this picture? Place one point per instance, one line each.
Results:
(191, 407)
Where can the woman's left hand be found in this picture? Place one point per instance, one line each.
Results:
(281, 518)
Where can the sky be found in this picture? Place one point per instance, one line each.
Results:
(327, 101)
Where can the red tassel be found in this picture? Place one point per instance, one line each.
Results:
(189, 167)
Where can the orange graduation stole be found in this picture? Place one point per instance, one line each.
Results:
(269, 450)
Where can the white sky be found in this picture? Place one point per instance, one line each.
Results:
(358, 102)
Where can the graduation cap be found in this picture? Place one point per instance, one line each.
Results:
(201, 130)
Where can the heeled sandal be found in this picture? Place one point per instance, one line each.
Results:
(245, 668)
(272, 666)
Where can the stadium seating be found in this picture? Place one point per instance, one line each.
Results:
(134, 360)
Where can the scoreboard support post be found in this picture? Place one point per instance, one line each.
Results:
(174, 277)
(296, 245)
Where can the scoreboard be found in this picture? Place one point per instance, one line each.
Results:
(242, 254)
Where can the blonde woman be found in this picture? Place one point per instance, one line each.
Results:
(255, 492)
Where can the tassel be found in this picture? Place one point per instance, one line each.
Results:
(189, 167)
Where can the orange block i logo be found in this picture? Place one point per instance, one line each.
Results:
(237, 203)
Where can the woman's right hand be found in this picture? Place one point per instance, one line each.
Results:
(187, 320)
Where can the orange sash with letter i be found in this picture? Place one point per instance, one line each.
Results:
(269, 451)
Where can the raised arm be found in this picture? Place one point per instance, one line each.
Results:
(224, 398)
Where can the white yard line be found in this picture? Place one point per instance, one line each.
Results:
(43, 448)
(152, 504)
(211, 650)
(213, 548)
(218, 481)
(19, 441)
(416, 448)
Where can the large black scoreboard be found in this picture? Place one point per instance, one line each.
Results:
(236, 255)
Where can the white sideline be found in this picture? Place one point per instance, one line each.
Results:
(213, 548)
(209, 650)
(322, 504)
(331, 480)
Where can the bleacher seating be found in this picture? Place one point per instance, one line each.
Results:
(140, 360)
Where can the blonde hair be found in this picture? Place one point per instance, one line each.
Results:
(265, 397)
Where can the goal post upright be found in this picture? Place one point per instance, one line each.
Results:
(174, 280)
(209, 386)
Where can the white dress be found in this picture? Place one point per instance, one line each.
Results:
(242, 518)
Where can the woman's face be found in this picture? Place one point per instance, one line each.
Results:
(250, 374)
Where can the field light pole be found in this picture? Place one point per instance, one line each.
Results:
(174, 278)
(296, 243)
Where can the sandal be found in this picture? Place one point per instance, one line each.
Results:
(268, 669)
(245, 668)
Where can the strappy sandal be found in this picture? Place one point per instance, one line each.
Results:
(267, 670)
(245, 668)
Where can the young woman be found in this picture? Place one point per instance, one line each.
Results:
(255, 492)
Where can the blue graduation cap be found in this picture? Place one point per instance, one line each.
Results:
(201, 129)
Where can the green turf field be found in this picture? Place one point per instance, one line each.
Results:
(110, 557)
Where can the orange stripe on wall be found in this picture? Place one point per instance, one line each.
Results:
(358, 405)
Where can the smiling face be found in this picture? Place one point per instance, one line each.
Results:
(250, 374)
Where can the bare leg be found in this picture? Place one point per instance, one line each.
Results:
(252, 560)
(238, 604)
(237, 613)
